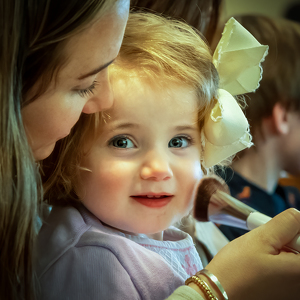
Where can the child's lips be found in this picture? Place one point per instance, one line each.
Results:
(153, 200)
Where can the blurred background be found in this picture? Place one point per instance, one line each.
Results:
(274, 8)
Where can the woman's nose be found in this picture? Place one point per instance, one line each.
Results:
(156, 168)
(103, 96)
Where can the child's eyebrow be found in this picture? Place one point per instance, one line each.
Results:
(136, 126)
(187, 127)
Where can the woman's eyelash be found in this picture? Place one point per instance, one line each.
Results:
(89, 91)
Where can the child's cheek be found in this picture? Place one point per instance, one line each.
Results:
(194, 179)
(198, 174)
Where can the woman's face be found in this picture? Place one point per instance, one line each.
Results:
(82, 84)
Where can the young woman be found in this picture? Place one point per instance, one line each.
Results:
(53, 53)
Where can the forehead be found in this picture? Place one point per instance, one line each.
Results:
(137, 96)
(98, 43)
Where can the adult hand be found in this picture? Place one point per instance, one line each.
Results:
(255, 266)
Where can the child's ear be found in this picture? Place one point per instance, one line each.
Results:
(280, 119)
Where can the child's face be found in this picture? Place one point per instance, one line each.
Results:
(145, 166)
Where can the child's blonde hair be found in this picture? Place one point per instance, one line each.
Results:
(163, 51)
(167, 51)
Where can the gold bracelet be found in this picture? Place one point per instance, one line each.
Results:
(203, 287)
(214, 280)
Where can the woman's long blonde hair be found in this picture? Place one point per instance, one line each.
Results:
(31, 36)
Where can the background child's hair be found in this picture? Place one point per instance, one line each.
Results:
(163, 51)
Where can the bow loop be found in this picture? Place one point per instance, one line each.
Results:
(238, 58)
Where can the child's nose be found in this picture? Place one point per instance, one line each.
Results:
(156, 168)
(102, 98)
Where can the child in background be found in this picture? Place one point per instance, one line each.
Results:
(273, 112)
(129, 174)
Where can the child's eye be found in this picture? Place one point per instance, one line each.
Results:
(89, 91)
(180, 142)
(121, 142)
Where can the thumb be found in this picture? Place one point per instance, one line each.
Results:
(282, 229)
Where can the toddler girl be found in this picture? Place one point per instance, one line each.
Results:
(124, 177)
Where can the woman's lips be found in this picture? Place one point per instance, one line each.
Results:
(154, 201)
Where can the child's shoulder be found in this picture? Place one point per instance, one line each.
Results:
(74, 234)
(69, 228)
(73, 245)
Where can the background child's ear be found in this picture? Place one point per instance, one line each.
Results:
(280, 119)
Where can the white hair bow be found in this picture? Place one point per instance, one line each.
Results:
(237, 58)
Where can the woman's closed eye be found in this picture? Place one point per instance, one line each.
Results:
(88, 91)
(122, 142)
(180, 142)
